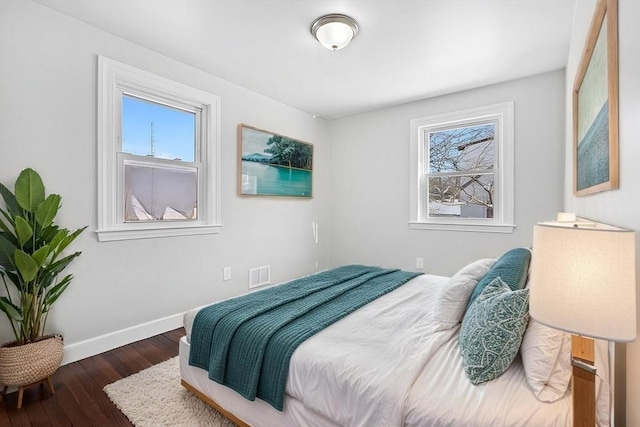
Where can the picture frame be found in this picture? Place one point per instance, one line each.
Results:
(270, 164)
(595, 106)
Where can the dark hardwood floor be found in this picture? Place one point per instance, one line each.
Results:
(79, 399)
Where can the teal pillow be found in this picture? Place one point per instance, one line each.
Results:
(492, 330)
(512, 268)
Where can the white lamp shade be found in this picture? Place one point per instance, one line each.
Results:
(583, 280)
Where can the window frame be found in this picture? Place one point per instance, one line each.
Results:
(115, 80)
(503, 209)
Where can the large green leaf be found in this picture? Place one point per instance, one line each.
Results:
(77, 233)
(47, 210)
(10, 309)
(26, 265)
(57, 239)
(7, 249)
(29, 190)
(8, 225)
(13, 276)
(40, 255)
(10, 236)
(60, 265)
(67, 240)
(45, 280)
(48, 233)
(23, 230)
(10, 201)
(55, 292)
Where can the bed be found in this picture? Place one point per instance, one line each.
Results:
(397, 361)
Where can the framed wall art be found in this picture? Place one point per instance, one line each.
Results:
(273, 165)
(595, 105)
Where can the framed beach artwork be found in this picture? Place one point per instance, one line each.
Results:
(273, 165)
(595, 105)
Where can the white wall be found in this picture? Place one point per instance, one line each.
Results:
(618, 207)
(370, 176)
(48, 122)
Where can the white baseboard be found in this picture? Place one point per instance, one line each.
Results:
(91, 347)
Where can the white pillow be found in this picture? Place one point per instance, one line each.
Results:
(546, 357)
(453, 297)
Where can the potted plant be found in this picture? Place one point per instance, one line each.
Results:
(31, 261)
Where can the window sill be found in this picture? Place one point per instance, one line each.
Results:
(152, 233)
(466, 227)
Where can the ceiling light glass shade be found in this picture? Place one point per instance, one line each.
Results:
(334, 31)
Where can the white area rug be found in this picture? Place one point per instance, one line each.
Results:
(155, 398)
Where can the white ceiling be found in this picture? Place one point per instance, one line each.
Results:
(404, 51)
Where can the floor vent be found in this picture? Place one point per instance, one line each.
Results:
(259, 276)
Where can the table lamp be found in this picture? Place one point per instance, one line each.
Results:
(583, 281)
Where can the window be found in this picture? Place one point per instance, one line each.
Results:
(462, 170)
(158, 167)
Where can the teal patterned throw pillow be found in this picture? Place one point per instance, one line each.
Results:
(492, 331)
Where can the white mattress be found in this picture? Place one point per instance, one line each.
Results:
(385, 365)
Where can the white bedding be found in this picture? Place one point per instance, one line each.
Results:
(443, 396)
(385, 365)
(374, 357)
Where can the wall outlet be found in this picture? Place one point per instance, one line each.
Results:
(420, 263)
(226, 273)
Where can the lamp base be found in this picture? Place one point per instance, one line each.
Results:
(584, 382)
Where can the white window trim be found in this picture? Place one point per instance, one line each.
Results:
(112, 77)
(503, 221)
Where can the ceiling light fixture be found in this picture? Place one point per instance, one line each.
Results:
(334, 31)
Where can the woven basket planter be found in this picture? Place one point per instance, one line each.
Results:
(29, 363)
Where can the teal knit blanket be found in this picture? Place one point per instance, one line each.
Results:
(246, 343)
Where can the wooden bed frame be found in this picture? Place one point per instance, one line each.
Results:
(209, 401)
